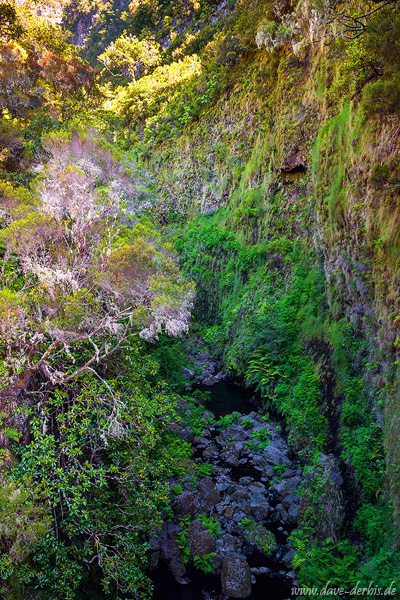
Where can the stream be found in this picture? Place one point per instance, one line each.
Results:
(226, 398)
(269, 573)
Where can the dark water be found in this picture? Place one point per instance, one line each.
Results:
(226, 398)
(267, 587)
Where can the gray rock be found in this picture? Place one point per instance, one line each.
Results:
(275, 456)
(291, 498)
(268, 472)
(200, 441)
(236, 433)
(201, 541)
(221, 486)
(236, 577)
(246, 480)
(220, 507)
(185, 434)
(256, 487)
(238, 516)
(188, 374)
(177, 566)
(155, 542)
(293, 514)
(282, 513)
(170, 548)
(226, 544)
(260, 512)
(259, 506)
(288, 557)
(238, 447)
(239, 495)
(336, 477)
(287, 485)
(208, 492)
(184, 505)
(231, 456)
(292, 484)
(289, 473)
(211, 451)
(183, 580)
(258, 498)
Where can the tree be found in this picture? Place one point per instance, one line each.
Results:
(83, 275)
(84, 281)
(129, 57)
(10, 27)
(95, 463)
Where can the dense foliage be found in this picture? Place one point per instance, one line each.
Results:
(121, 125)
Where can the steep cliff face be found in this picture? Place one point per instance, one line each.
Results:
(288, 177)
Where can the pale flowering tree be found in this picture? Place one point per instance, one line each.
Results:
(84, 275)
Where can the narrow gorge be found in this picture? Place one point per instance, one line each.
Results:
(200, 299)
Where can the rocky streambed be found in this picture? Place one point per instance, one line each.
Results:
(227, 530)
(235, 522)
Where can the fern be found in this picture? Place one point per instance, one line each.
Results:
(297, 561)
(10, 433)
(204, 563)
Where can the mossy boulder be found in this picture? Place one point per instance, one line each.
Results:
(236, 577)
(258, 536)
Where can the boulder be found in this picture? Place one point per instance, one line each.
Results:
(236, 433)
(259, 506)
(261, 511)
(290, 499)
(188, 374)
(200, 441)
(177, 566)
(256, 487)
(170, 548)
(239, 495)
(208, 492)
(231, 455)
(184, 505)
(201, 541)
(236, 577)
(211, 452)
(260, 537)
(293, 514)
(223, 484)
(185, 434)
(246, 480)
(275, 456)
(288, 557)
(282, 513)
(226, 544)
(323, 496)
